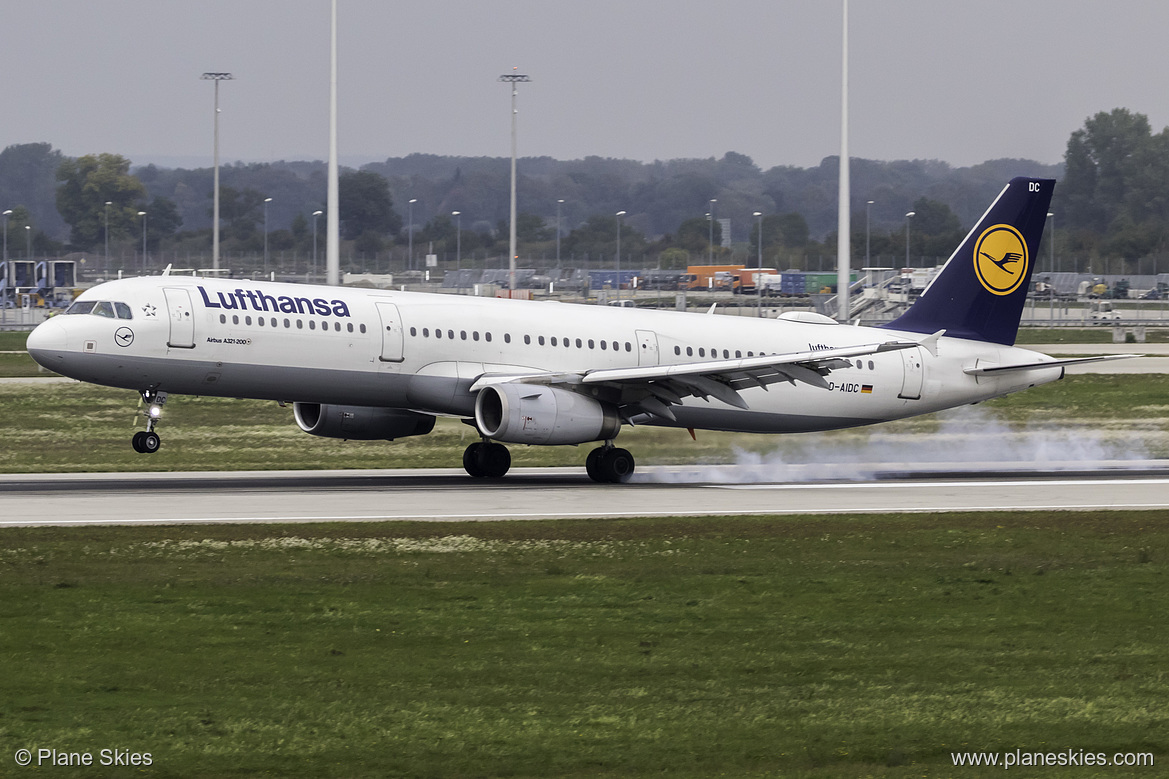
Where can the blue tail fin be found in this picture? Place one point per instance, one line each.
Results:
(980, 292)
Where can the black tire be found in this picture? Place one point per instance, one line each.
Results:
(593, 464)
(495, 460)
(616, 466)
(150, 443)
(472, 460)
(136, 442)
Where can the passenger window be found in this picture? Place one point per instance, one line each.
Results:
(604, 345)
(124, 311)
(235, 319)
(450, 334)
(463, 334)
(312, 324)
(628, 347)
(871, 367)
(678, 350)
(287, 323)
(273, 321)
(104, 308)
(738, 353)
(540, 340)
(413, 332)
(507, 338)
(689, 351)
(591, 345)
(702, 351)
(555, 342)
(300, 324)
(223, 319)
(474, 335)
(247, 320)
(362, 328)
(438, 333)
(487, 336)
(579, 344)
(528, 339)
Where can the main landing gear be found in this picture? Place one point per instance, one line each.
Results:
(606, 464)
(147, 441)
(609, 464)
(486, 460)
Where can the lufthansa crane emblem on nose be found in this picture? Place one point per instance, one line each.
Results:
(123, 336)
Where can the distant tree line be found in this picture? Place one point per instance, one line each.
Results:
(1112, 204)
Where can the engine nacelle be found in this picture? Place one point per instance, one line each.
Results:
(535, 414)
(360, 423)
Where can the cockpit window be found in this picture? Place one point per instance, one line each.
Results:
(104, 308)
(80, 307)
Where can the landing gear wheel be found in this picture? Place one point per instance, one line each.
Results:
(146, 442)
(593, 464)
(610, 465)
(150, 442)
(495, 460)
(486, 460)
(471, 460)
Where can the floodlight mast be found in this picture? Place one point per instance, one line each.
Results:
(216, 77)
(512, 78)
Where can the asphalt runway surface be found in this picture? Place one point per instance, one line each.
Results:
(560, 493)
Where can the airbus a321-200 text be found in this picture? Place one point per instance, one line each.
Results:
(372, 364)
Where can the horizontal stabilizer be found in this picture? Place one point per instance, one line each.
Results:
(992, 369)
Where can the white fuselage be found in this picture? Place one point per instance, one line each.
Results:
(419, 351)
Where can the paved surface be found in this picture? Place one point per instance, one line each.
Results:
(553, 493)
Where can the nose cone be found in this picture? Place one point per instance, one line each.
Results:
(46, 343)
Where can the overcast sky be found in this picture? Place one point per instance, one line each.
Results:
(962, 82)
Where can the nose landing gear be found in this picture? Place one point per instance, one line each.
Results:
(147, 441)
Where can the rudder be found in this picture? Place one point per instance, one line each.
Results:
(980, 291)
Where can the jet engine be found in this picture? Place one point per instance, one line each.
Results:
(360, 423)
(535, 414)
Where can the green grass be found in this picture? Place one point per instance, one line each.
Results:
(67, 426)
(1086, 335)
(816, 647)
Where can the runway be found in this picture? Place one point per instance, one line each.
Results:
(556, 493)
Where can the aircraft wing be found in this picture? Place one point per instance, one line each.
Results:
(654, 388)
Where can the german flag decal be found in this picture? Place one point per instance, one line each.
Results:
(866, 389)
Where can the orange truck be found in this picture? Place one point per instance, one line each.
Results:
(715, 277)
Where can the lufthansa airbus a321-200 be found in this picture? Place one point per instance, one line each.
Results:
(372, 364)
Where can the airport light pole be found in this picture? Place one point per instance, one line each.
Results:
(267, 200)
(458, 215)
(908, 216)
(315, 215)
(28, 242)
(559, 203)
(410, 233)
(1051, 273)
(512, 78)
(710, 236)
(868, 208)
(619, 215)
(143, 215)
(6, 214)
(759, 272)
(216, 77)
(108, 204)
